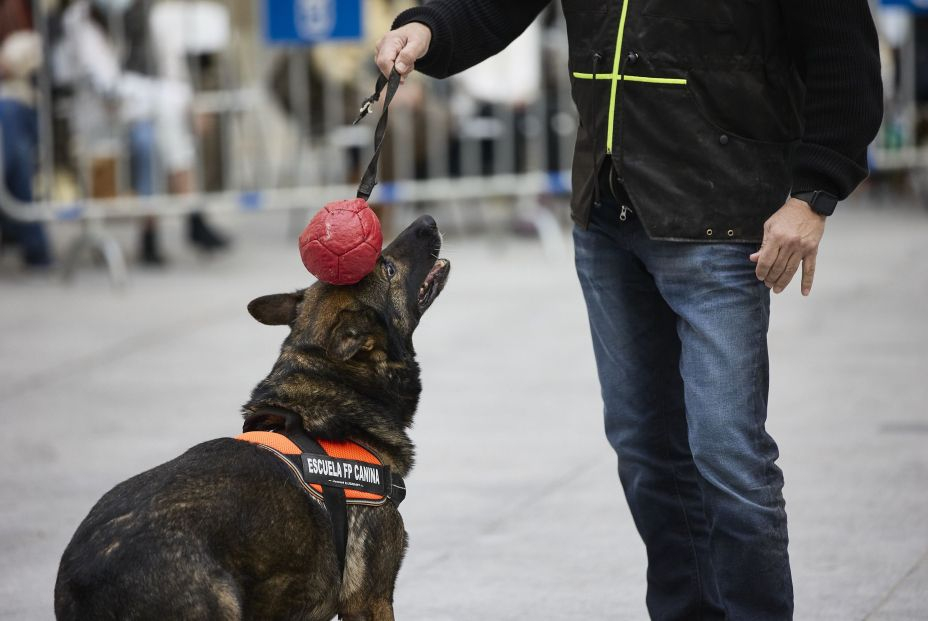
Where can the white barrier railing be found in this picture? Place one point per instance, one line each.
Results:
(445, 141)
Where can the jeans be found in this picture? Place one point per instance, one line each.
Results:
(680, 338)
(19, 126)
(143, 164)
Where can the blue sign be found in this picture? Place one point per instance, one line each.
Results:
(301, 22)
(917, 6)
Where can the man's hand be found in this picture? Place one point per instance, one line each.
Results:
(402, 48)
(791, 236)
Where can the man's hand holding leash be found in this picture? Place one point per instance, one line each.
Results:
(401, 48)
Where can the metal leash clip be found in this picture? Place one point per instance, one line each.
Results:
(368, 103)
(366, 107)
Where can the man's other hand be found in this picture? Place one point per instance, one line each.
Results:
(791, 237)
(402, 48)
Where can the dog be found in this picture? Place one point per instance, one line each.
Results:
(226, 531)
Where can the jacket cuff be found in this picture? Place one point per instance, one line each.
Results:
(437, 59)
(819, 168)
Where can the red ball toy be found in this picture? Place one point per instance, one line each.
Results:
(342, 242)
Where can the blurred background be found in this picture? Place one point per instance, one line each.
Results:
(160, 158)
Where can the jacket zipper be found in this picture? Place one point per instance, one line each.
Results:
(624, 209)
(595, 151)
(616, 65)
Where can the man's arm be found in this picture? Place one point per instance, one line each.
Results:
(835, 47)
(458, 34)
(837, 53)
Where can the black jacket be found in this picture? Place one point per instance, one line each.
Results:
(713, 110)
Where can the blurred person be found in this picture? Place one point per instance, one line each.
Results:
(331, 82)
(715, 138)
(119, 68)
(500, 88)
(20, 58)
(190, 37)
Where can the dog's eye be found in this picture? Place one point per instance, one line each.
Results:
(390, 269)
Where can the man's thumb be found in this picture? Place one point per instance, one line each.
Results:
(405, 60)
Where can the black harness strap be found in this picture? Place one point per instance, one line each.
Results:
(369, 180)
(316, 467)
(337, 507)
(333, 497)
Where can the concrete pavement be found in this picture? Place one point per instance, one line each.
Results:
(514, 509)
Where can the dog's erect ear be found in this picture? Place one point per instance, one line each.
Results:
(354, 332)
(278, 309)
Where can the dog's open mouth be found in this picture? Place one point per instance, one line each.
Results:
(433, 283)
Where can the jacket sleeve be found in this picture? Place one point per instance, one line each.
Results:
(836, 52)
(466, 32)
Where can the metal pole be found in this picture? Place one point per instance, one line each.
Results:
(44, 108)
(195, 82)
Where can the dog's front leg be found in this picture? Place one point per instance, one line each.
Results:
(381, 610)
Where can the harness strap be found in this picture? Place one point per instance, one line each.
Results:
(369, 180)
(333, 490)
(337, 507)
(333, 497)
(365, 481)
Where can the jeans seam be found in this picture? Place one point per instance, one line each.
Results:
(780, 530)
(758, 425)
(682, 505)
(689, 532)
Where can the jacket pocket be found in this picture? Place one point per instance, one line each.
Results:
(690, 178)
(704, 11)
(746, 104)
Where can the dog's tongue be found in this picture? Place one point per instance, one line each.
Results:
(439, 264)
(425, 290)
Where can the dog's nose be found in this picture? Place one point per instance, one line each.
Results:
(426, 225)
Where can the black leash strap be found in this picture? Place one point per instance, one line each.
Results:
(369, 180)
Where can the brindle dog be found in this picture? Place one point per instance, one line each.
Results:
(225, 531)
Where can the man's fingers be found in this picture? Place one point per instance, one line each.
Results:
(406, 59)
(401, 48)
(779, 266)
(808, 273)
(387, 51)
(791, 237)
(765, 260)
(395, 51)
(792, 264)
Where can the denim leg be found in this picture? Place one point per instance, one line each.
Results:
(143, 157)
(637, 352)
(20, 142)
(723, 315)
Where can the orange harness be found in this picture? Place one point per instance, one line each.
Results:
(351, 455)
(336, 473)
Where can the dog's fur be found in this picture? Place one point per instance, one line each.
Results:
(224, 531)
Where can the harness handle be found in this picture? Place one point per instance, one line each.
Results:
(369, 180)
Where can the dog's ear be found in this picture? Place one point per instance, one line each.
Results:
(278, 309)
(355, 331)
